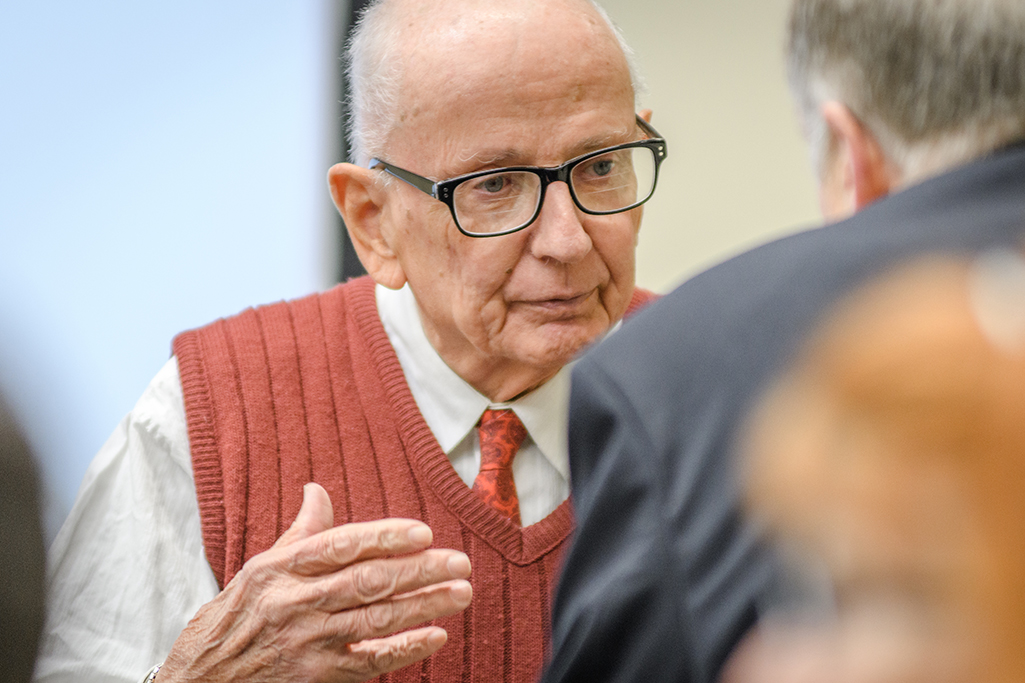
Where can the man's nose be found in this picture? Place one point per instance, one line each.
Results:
(559, 233)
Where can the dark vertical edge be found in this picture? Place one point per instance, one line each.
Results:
(234, 564)
(426, 670)
(507, 627)
(278, 527)
(23, 592)
(302, 391)
(358, 345)
(334, 408)
(544, 588)
(468, 548)
(350, 265)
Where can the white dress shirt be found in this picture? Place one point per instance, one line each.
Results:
(127, 571)
(451, 408)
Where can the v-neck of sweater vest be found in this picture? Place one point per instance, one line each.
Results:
(430, 465)
(312, 390)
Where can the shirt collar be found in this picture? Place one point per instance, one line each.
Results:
(449, 405)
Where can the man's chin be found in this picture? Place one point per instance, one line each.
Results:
(556, 343)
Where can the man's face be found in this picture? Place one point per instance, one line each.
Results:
(487, 92)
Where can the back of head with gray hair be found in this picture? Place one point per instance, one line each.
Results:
(373, 63)
(938, 82)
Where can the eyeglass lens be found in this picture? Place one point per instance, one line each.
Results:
(505, 200)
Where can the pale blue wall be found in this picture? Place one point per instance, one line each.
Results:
(161, 164)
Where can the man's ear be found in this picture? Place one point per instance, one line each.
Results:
(858, 172)
(361, 199)
(645, 114)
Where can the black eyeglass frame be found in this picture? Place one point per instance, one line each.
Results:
(444, 190)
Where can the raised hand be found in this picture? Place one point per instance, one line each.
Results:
(324, 604)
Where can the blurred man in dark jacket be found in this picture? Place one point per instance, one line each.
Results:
(915, 114)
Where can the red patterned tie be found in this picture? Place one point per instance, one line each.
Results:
(501, 434)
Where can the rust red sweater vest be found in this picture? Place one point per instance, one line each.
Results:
(311, 390)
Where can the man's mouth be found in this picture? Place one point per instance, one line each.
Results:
(563, 306)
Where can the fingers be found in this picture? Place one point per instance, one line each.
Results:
(375, 657)
(401, 611)
(339, 547)
(327, 600)
(315, 515)
(365, 582)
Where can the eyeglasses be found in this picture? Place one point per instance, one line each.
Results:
(504, 200)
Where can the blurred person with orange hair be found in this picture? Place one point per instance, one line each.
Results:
(894, 452)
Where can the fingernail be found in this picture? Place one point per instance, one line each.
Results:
(420, 535)
(459, 565)
(437, 638)
(462, 591)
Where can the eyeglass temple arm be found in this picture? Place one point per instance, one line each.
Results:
(417, 181)
(647, 127)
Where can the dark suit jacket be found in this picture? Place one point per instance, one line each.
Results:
(664, 576)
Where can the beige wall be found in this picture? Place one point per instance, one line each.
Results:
(737, 172)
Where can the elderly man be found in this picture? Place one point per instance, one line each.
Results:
(500, 164)
(916, 114)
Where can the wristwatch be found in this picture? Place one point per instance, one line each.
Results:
(151, 675)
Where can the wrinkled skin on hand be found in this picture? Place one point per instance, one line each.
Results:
(324, 604)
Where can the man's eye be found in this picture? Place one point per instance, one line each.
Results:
(495, 183)
(602, 167)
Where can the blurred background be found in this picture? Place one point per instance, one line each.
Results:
(163, 164)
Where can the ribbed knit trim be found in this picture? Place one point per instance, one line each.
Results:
(206, 462)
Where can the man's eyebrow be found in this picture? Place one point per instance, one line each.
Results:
(495, 157)
(599, 141)
(498, 158)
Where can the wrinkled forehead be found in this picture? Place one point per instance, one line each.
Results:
(512, 68)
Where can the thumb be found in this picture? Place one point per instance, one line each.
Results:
(315, 515)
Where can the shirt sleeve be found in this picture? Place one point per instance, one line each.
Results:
(127, 571)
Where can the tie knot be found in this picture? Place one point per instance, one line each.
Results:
(501, 434)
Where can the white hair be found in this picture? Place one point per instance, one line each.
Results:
(937, 82)
(373, 63)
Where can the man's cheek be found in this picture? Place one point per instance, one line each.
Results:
(484, 317)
